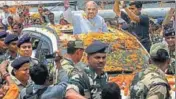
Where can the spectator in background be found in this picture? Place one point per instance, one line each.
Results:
(111, 91)
(4, 16)
(37, 21)
(62, 20)
(138, 24)
(41, 13)
(17, 28)
(102, 5)
(22, 18)
(10, 23)
(25, 20)
(51, 19)
(86, 22)
(46, 11)
(122, 24)
(112, 22)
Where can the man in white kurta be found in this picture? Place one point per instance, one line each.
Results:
(88, 21)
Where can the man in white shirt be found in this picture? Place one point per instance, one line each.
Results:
(5, 16)
(86, 22)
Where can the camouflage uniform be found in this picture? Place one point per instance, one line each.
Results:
(171, 68)
(150, 83)
(88, 83)
(70, 67)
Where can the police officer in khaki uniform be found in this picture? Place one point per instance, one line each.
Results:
(151, 83)
(11, 42)
(90, 82)
(20, 72)
(24, 46)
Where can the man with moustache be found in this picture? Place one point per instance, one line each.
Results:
(90, 82)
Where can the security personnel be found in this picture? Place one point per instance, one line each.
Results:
(20, 72)
(70, 63)
(25, 49)
(169, 35)
(90, 82)
(25, 46)
(3, 47)
(75, 51)
(151, 83)
(11, 42)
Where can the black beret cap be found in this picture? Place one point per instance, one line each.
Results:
(169, 32)
(10, 38)
(3, 34)
(18, 62)
(24, 39)
(96, 46)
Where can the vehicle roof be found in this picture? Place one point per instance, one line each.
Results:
(47, 32)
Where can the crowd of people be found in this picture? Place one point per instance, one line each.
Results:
(24, 77)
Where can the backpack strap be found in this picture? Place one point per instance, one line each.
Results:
(163, 84)
(40, 92)
(29, 91)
